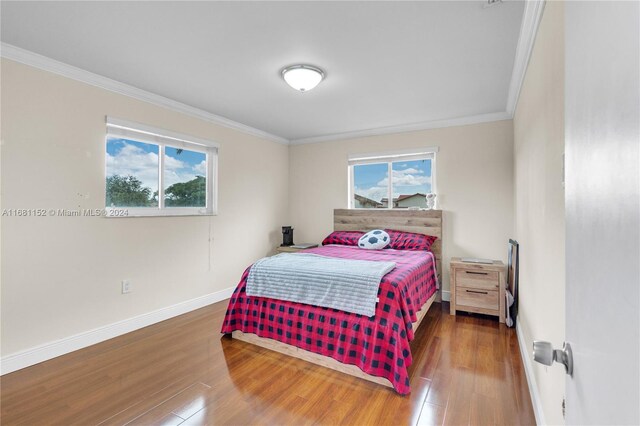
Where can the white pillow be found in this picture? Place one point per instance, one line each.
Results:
(374, 240)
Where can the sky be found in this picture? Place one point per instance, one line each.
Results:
(126, 157)
(409, 177)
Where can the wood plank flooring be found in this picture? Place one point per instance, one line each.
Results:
(467, 370)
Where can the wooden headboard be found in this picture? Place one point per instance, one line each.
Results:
(427, 222)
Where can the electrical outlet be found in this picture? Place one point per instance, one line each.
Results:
(126, 286)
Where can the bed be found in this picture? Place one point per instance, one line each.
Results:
(374, 348)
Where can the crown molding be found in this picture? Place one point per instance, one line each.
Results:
(528, 30)
(532, 15)
(460, 121)
(27, 57)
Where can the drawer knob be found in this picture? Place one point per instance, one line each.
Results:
(475, 291)
(477, 273)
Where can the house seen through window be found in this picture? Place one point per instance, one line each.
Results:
(391, 181)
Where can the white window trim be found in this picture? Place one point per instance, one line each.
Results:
(428, 153)
(148, 134)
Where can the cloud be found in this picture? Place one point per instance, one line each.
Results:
(179, 171)
(409, 171)
(201, 168)
(374, 193)
(132, 160)
(401, 178)
(406, 178)
(135, 161)
(171, 163)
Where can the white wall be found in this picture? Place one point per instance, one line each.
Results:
(539, 204)
(474, 178)
(61, 276)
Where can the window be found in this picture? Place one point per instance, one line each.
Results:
(404, 177)
(154, 172)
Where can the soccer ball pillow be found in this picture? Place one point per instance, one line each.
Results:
(374, 240)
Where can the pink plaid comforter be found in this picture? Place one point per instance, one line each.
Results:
(378, 345)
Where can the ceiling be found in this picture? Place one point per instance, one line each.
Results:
(387, 64)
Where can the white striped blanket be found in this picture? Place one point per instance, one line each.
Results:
(345, 284)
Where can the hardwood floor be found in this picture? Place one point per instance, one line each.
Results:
(466, 370)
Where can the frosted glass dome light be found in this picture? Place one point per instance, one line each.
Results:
(302, 77)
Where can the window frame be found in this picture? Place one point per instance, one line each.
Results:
(389, 157)
(136, 132)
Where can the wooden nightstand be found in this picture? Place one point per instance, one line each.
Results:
(291, 249)
(477, 287)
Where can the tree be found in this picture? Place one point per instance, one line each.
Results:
(187, 194)
(127, 191)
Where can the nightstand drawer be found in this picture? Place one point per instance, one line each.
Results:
(485, 280)
(477, 287)
(478, 298)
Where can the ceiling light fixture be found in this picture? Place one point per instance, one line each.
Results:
(302, 77)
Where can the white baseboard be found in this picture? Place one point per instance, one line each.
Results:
(531, 378)
(446, 295)
(69, 344)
